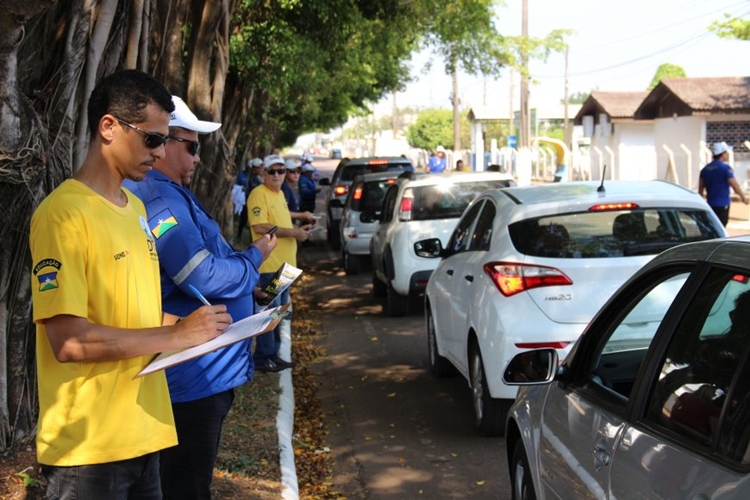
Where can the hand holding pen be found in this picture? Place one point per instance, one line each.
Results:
(204, 323)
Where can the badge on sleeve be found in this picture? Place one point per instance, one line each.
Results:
(256, 211)
(46, 273)
(161, 223)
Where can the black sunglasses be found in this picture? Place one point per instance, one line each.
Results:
(280, 171)
(152, 139)
(193, 147)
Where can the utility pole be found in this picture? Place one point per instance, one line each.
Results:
(456, 102)
(511, 118)
(525, 115)
(567, 138)
(394, 117)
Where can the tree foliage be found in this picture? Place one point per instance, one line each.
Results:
(731, 27)
(433, 128)
(666, 70)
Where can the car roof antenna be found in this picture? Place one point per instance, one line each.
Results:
(600, 189)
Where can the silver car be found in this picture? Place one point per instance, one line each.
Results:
(653, 401)
(360, 216)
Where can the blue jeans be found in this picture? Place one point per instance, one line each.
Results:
(187, 469)
(268, 344)
(132, 479)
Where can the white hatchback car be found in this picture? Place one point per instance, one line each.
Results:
(528, 267)
(654, 399)
(415, 208)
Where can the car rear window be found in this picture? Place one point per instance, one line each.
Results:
(373, 193)
(611, 233)
(447, 200)
(351, 171)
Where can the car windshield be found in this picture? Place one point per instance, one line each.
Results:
(611, 233)
(448, 200)
(351, 171)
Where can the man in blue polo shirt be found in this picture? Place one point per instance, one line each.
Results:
(193, 252)
(715, 180)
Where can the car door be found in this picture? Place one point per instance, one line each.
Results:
(381, 230)
(692, 439)
(451, 284)
(584, 419)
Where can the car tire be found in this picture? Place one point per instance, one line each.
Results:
(489, 412)
(378, 287)
(522, 487)
(352, 263)
(396, 305)
(439, 366)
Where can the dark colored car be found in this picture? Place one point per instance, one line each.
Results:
(345, 172)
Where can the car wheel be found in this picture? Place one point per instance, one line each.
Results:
(352, 263)
(378, 287)
(489, 412)
(522, 487)
(439, 366)
(396, 305)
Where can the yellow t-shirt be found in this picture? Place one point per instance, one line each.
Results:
(266, 207)
(96, 260)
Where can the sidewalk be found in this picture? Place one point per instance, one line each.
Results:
(737, 227)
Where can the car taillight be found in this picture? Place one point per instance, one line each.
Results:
(542, 345)
(357, 194)
(404, 211)
(340, 190)
(512, 278)
(606, 207)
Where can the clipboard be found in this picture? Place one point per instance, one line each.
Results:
(237, 332)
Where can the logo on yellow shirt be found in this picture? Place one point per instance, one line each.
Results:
(256, 211)
(161, 223)
(46, 272)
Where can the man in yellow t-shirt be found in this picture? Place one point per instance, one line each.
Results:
(266, 208)
(97, 307)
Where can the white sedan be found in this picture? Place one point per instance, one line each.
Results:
(528, 267)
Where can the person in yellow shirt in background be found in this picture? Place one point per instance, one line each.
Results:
(97, 307)
(266, 208)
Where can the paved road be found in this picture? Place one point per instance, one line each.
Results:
(395, 432)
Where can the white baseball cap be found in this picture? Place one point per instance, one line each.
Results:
(183, 117)
(291, 164)
(719, 148)
(271, 160)
(440, 149)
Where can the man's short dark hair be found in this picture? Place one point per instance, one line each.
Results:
(126, 94)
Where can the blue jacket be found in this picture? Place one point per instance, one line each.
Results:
(307, 192)
(192, 251)
(716, 177)
(436, 164)
(292, 203)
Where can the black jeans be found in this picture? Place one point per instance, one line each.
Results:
(187, 469)
(132, 479)
(722, 213)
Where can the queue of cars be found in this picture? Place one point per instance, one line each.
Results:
(625, 405)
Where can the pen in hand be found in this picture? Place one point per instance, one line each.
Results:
(199, 295)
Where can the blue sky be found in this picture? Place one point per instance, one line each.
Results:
(616, 45)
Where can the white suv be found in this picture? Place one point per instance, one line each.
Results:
(415, 208)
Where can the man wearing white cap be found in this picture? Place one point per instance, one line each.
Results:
(715, 180)
(194, 253)
(437, 163)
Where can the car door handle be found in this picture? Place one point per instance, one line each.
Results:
(601, 458)
(469, 278)
(449, 272)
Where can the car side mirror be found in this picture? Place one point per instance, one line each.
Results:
(325, 181)
(430, 248)
(532, 367)
(368, 217)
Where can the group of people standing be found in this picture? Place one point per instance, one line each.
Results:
(128, 264)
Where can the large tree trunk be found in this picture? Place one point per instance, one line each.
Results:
(22, 175)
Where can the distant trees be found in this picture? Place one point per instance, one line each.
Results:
(666, 70)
